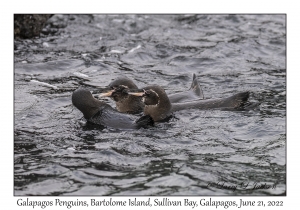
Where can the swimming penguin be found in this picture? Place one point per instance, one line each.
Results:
(159, 107)
(124, 102)
(130, 104)
(100, 113)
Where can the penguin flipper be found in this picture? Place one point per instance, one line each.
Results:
(196, 87)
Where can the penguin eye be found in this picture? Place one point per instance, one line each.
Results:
(120, 88)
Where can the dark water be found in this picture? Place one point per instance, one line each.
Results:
(55, 153)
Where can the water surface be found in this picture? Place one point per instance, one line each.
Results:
(198, 152)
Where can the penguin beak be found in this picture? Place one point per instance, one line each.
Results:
(107, 94)
(139, 93)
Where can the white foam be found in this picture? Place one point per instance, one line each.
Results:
(116, 51)
(80, 74)
(43, 84)
(45, 44)
(134, 49)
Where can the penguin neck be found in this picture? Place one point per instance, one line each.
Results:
(160, 111)
(86, 103)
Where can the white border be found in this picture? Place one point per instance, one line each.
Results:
(154, 6)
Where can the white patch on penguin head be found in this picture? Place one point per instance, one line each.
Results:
(155, 105)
